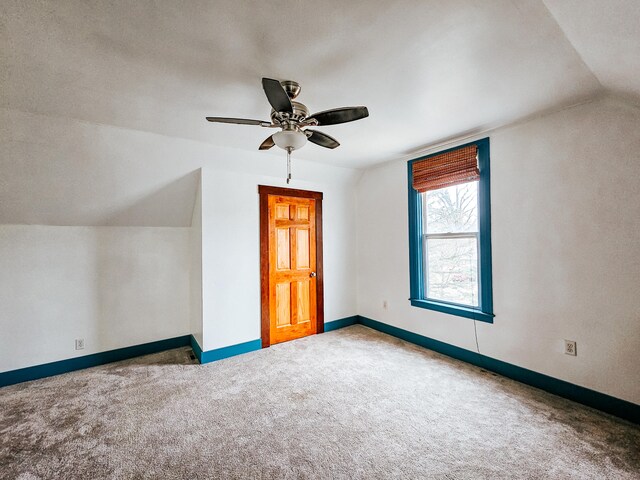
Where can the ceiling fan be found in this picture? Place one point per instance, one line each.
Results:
(292, 118)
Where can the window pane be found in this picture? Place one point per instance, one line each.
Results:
(451, 273)
(452, 209)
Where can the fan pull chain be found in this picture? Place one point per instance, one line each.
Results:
(288, 165)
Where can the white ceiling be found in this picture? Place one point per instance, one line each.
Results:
(427, 70)
(607, 37)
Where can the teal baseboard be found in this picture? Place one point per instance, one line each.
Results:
(232, 350)
(224, 352)
(606, 403)
(343, 322)
(600, 401)
(92, 360)
(195, 346)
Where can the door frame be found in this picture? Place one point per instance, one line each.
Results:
(264, 191)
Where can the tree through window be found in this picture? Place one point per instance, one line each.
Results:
(451, 244)
(450, 231)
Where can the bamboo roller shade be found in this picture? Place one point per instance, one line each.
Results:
(447, 169)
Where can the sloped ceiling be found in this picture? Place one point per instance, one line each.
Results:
(607, 37)
(428, 70)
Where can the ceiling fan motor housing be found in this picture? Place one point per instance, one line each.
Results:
(300, 112)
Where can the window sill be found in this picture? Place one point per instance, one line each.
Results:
(454, 310)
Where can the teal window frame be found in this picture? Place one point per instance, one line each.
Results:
(484, 312)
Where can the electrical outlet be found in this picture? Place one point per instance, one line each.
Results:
(570, 348)
(79, 343)
(385, 304)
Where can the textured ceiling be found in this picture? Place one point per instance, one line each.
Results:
(607, 37)
(86, 86)
(427, 70)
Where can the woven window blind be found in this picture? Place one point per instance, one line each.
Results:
(447, 169)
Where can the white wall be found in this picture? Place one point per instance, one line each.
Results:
(60, 171)
(195, 268)
(231, 245)
(112, 286)
(566, 242)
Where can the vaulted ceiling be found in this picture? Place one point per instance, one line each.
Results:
(427, 70)
(607, 37)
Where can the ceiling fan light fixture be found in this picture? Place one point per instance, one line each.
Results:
(292, 117)
(290, 139)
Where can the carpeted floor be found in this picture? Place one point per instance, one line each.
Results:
(353, 403)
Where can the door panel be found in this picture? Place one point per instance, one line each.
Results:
(303, 301)
(303, 212)
(283, 304)
(282, 211)
(283, 256)
(302, 248)
(292, 280)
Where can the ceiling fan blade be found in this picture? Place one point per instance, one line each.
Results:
(276, 95)
(323, 139)
(340, 115)
(267, 144)
(241, 121)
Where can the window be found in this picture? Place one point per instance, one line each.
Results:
(450, 231)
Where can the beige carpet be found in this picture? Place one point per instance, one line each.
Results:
(353, 403)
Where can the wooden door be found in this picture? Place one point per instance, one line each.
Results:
(292, 256)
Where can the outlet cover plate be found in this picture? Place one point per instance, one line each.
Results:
(79, 343)
(570, 348)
